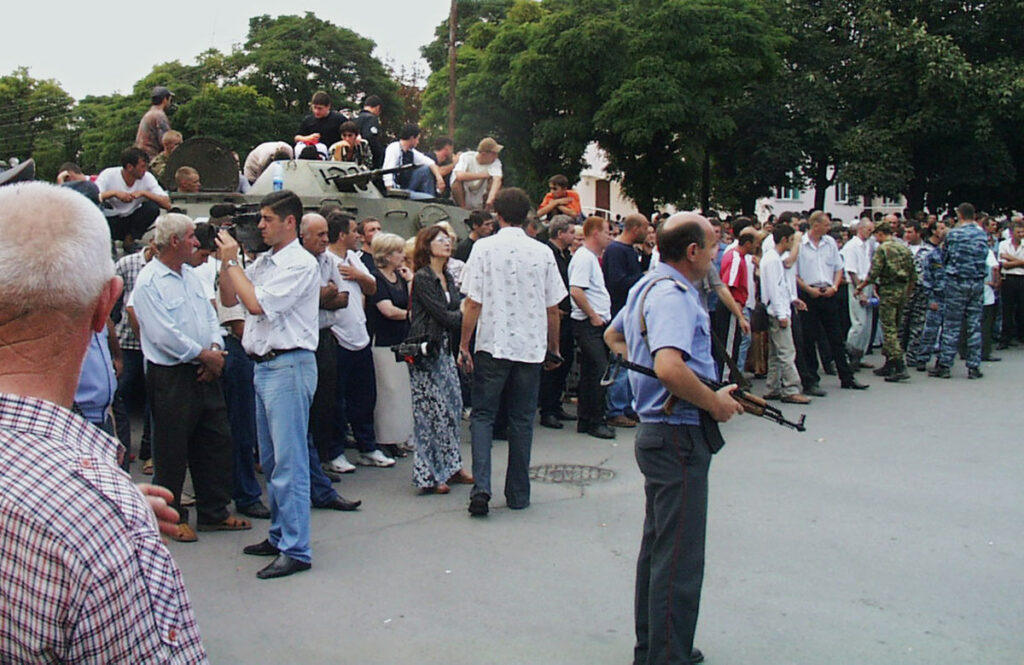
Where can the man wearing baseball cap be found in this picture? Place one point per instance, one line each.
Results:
(476, 178)
(155, 124)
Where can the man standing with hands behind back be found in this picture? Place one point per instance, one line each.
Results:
(664, 326)
(280, 292)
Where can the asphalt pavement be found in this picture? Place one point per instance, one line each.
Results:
(892, 531)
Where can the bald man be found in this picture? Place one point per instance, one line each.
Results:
(664, 325)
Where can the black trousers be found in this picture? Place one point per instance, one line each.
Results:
(321, 413)
(552, 383)
(191, 431)
(670, 568)
(822, 314)
(593, 363)
(1012, 294)
(136, 223)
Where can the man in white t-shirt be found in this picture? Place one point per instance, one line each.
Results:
(131, 196)
(591, 312)
(424, 181)
(356, 392)
(476, 178)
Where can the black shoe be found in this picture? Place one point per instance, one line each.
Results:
(341, 503)
(1002, 346)
(885, 370)
(256, 511)
(601, 431)
(283, 566)
(562, 414)
(974, 373)
(899, 373)
(992, 359)
(815, 391)
(922, 367)
(551, 420)
(261, 549)
(696, 656)
(478, 505)
(853, 384)
(940, 372)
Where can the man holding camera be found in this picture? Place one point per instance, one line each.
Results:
(280, 293)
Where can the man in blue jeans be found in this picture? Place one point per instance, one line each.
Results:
(512, 288)
(280, 292)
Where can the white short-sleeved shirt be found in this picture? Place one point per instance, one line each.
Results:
(476, 189)
(515, 279)
(287, 288)
(348, 324)
(1006, 247)
(113, 180)
(585, 273)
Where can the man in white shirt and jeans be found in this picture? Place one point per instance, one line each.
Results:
(857, 264)
(422, 182)
(783, 379)
(280, 292)
(512, 288)
(591, 312)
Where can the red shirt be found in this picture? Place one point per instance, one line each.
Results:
(734, 275)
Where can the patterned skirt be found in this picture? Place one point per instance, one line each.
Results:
(437, 414)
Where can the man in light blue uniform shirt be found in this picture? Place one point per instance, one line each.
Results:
(665, 326)
(181, 342)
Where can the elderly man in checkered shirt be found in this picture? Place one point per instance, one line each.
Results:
(84, 575)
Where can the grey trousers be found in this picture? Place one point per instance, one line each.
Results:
(782, 375)
(670, 569)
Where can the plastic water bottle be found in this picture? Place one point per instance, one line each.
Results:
(278, 176)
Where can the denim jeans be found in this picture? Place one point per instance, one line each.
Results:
(240, 398)
(284, 393)
(131, 389)
(491, 376)
(620, 395)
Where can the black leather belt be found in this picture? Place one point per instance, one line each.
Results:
(270, 355)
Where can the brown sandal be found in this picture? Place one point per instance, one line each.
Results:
(232, 523)
(185, 534)
(461, 478)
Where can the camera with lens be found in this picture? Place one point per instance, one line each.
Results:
(244, 225)
(415, 348)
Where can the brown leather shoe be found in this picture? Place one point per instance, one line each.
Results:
(622, 421)
(463, 477)
(796, 399)
(185, 534)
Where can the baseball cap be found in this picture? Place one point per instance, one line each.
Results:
(160, 91)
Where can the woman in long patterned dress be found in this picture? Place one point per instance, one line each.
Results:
(436, 398)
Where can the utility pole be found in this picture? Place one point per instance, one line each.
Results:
(453, 19)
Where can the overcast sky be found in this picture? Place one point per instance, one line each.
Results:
(103, 46)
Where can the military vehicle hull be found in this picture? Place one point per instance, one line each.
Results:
(315, 182)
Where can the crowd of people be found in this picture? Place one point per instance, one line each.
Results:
(345, 345)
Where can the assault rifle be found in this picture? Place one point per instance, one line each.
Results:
(751, 403)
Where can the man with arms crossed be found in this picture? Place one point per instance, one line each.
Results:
(280, 292)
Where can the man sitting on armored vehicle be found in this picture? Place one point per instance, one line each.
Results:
(187, 179)
(171, 140)
(416, 181)
(352, 147)
(477, 176)
(131, 195)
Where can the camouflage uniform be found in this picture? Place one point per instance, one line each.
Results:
(917, 306)
(892, 270)
(966, 249)
(933, 280)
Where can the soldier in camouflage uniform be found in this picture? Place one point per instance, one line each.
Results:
(966, 249)
(917, 306)
(933, 279)
(894, 275)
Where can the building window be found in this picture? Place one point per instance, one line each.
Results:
(842, 192)
(787, 194)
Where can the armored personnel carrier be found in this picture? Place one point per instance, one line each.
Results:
(316, 182)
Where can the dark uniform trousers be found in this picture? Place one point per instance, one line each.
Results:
(822, 314)
(190, 431)
(670, 569)
(593, 357)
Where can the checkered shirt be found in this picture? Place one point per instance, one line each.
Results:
(84, 576)
(127, 268)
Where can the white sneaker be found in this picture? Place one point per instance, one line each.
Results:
(376, 458)
(339, 464)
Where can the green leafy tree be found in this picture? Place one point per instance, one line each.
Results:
(35, 121)
(236, 115)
